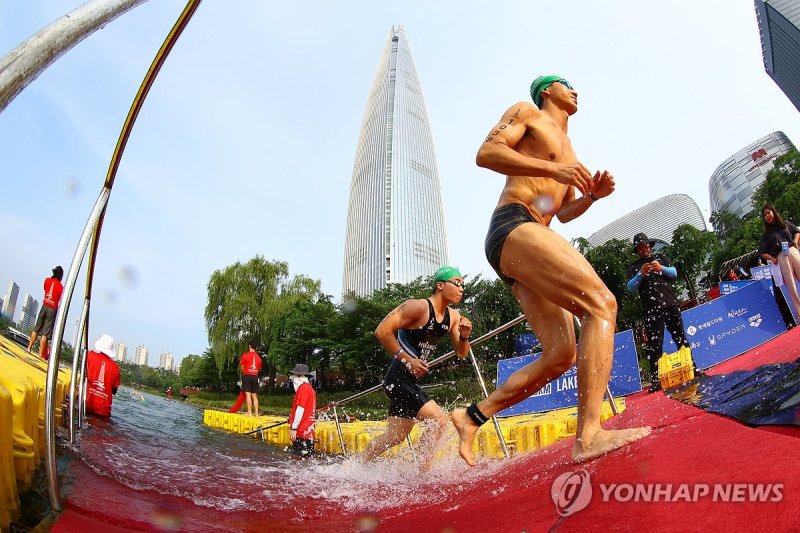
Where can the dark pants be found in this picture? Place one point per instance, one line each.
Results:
(654, 322)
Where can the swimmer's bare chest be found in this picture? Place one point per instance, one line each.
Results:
(544, 196)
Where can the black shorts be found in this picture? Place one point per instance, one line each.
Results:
(303, 447)
(45, 321)
(406, 397)
(249, 383)
(504, 220)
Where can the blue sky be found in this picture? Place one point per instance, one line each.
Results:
(245, 145)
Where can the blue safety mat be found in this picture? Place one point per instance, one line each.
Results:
(768, 395)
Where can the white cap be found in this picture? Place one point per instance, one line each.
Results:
(105, 344)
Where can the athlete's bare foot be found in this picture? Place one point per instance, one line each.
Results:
(605, 441)
(466, 434)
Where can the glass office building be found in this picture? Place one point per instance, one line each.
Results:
(779, 25)
(395, 223)
(733, 183)
(658, 220)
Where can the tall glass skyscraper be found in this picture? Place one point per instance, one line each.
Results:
(395, 222)
(779, 24)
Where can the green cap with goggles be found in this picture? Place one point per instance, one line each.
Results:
(446, 272)
(543, 82)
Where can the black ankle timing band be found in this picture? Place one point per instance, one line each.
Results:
(475, 415)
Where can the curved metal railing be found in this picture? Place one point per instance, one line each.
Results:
(92, 232)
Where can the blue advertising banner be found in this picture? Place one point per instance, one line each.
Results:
(563, 391)
(727, 287)
(765, 272)
(526, 344)
(761, 272)
(730, 325)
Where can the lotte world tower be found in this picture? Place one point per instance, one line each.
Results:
(395, 223)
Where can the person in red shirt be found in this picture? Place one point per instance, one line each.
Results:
(301, 419)
(47, 315)
(102, 374)
(250, 363)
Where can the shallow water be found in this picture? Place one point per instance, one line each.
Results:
(163, 446)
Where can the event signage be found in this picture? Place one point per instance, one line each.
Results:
(727, 287)
(526, 343)
(730, 325)
(563, 391)
(765, 272)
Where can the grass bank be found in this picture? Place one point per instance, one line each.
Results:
(278, 402)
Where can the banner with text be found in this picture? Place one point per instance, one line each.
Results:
(730, 325)
(526, 344)
(563, 391)
(727, 287)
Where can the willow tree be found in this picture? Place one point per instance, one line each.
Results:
(244, 299)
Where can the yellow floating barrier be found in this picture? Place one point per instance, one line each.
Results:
(9, 495)
(24, 426)
(35, 370)
(523, 433)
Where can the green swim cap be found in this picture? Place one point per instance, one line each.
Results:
(446, 272)
(540, 84)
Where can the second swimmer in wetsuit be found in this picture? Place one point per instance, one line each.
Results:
(410, 333)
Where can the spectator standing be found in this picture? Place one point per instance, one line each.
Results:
(47, 315)
(250, 364)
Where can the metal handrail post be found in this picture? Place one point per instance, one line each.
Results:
(339, 431)
(411, 446)
(58, 336)
(614, 408)
(77, 348)
(84, 386)
(485, 391)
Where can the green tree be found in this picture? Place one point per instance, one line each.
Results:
(489, 304)
(611, 261)
(736, 236)
(189, 364)
(782, 187)
(690, 251)
(5, 323)
(727, 225)
(302, 335)
(243, 300)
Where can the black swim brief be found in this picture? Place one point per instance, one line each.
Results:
(504, 220)
(406, 397)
